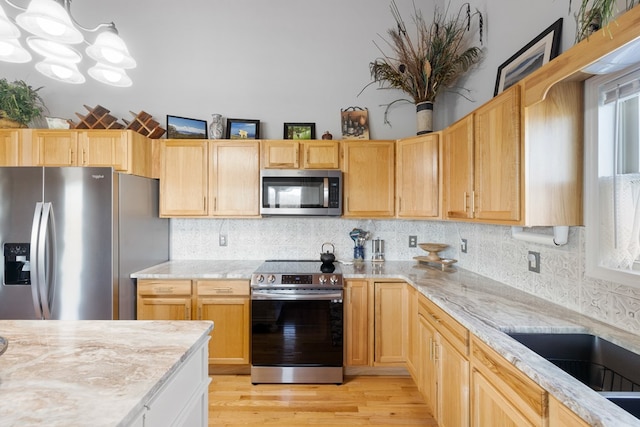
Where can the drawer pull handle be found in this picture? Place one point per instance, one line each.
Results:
(224, 290)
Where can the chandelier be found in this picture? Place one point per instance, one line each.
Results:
(53, 32)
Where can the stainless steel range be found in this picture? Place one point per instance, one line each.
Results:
(296, 323)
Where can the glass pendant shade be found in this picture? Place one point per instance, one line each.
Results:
(110, 49)
(110, 75)
(8, 30)
(62, 71)
(12, 51)
(54, 50)
(48, 19)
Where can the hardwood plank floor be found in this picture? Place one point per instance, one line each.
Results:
(361, 400)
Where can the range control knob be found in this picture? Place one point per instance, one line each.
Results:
(333, 280)
(322, 280)
(271, 278)
(260, 278)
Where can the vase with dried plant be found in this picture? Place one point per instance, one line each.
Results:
(19, 104)
(595, 14)
(431, 62)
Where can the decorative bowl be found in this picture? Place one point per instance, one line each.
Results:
(433, 249)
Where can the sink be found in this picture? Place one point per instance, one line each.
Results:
(605, 367)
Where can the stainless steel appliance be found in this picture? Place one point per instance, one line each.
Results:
(300, 192)
(296, 323)
(71, 237)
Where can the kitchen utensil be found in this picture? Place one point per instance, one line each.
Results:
(327, 257)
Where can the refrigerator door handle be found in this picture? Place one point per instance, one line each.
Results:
(33, 256)
(46, 278)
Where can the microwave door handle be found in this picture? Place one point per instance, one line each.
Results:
(325, 202)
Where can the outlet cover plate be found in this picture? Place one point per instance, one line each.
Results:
(413, 241)
(222, 240)
(533, 259)
(463, 246)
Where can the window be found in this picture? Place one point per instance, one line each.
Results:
(612, 177)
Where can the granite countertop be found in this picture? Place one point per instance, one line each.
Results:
(81, 373)
(487, 308)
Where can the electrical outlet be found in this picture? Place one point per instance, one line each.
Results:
(534, 261)
(222, 240)
(413, 241)
(463, 246)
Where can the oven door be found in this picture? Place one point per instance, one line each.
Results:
(297, 328)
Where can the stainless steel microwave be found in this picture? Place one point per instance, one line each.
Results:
(300, 192)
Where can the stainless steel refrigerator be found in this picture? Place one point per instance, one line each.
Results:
(70, 239)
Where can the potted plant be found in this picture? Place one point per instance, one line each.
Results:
(595, 14)
(19, 103)
(430, 63)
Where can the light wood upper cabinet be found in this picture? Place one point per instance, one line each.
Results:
(501, 395)
(184, 179)
(390, 323)
(457, 173)
(418, 176)
(55, 147)
(497, 163)
(281, 154)
(369, 178)
(357, 325)
(10, 147)
(300, 154)
(227, 304)
(164, 300)
(482, 162)
(124, 150)
(323, 154)
(235, 178)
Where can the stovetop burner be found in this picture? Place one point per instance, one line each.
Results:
(297, 274)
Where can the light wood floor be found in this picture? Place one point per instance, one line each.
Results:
(361, 400)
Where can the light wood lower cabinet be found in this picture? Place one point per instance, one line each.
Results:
(225, 302)
(357, 326)
(413, 334)
(501, 395)
(444, 371)
(390, 324)
(561, 416)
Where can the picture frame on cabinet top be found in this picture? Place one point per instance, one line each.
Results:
(534, 55)
(242, 129)
(186, 128)
(299, 131)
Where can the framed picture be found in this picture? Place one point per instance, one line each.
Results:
(243, 129)
(184, 128)
(534, 55)
(354, 122)
(299, 131)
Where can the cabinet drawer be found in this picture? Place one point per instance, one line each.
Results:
(457, 334)
(164, 287)
(222, 287)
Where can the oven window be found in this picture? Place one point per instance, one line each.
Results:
(283, 192)
(296, 333)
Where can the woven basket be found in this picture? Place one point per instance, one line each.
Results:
(8, 123)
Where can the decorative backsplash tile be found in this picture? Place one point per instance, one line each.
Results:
(491, 252)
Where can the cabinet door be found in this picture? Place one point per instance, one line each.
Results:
(413, 334)
(457, 169)
(369, 179)
(280, 154)
(320, 154)
(428, 383)
(104, 148)
(498, 158)
(357, 323)
(453, 386)
(183, 178)
(235, 178)
(561, 416)
(229, 342)
(55, 147)
(417, 176)
(10, 147)
(390, 323)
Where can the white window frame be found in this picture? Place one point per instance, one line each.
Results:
(593, 268)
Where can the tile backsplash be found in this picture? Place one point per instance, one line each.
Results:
(491, 252)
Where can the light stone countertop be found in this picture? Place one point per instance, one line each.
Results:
(486, 307)
(88, 373)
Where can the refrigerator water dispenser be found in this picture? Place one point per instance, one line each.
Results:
(16, 264)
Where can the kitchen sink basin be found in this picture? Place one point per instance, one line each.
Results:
(605, 367)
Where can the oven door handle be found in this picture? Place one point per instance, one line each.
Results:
(270, 295)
